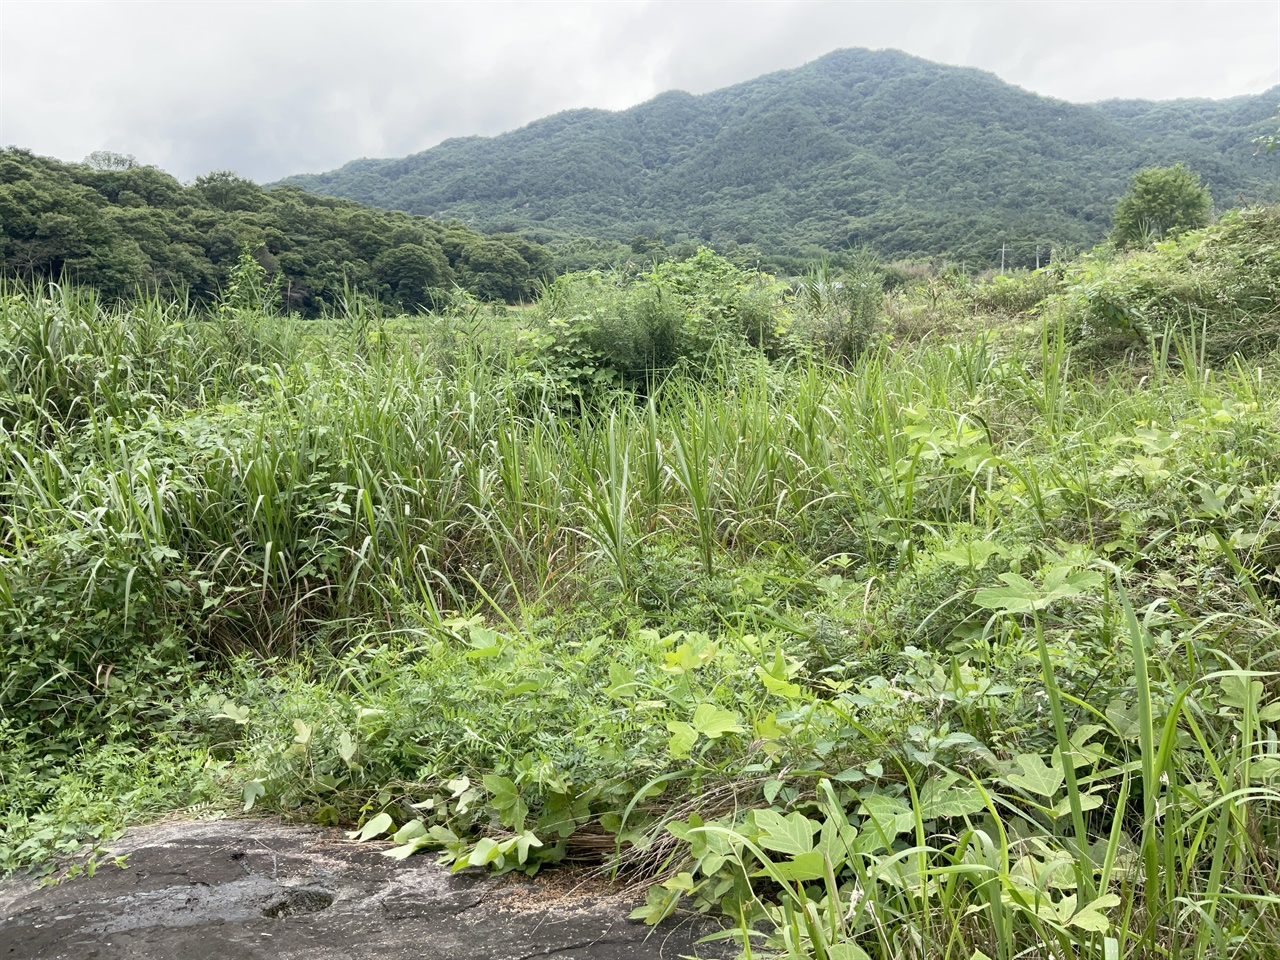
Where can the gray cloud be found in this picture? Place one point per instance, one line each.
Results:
(269, 89)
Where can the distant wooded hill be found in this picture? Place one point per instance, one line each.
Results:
(120, 226)
(910, 157)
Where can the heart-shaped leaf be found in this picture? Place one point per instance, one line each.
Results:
(1036, 777)
(714, 722)
(793, 834)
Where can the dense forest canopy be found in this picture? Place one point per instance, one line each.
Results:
(859, 147)
(119, 226)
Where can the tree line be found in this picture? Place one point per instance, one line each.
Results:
(122, 226)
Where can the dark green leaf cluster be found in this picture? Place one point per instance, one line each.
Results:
(1161, 202)
(119, 226)
(681, 315)
(913, 158)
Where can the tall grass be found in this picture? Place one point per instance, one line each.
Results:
(1101, 550)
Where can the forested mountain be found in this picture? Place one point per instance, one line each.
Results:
(912, 157)
(119, 226)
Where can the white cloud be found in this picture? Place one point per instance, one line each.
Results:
(270, 89)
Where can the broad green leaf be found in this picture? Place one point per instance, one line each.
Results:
(1124, 717)
(1036, 777)
(1264, 769)
(482, 638)
(803, 866)
(714, 722)
(974, 555)
(442, 835)
(683, 737)
(710, 865)
(1084, 733)
(233, 712)
(1092, 915)
(847, 951)
(695, 653)
(622, 681)
(524, 843)
(506, 799)
(346, 747)
(768, 728)
(463, 803)
(889, 815)
(486, 851)
(406, 850)
(252, 791)
(1088, 801)
(682, 881)
(378, 825)
(781, 688)
(1065, 580)
(792, 834)
(942, 798)
(659, 904)
(1240, 692)
(684, 830)
(837, 839)
(1018, 596)
(410, 831)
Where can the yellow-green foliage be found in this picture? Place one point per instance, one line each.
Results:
(1218, 288)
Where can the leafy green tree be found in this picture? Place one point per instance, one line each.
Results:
(250, 288)
(494, 270)
(1161, 202)
(227, 191)
(1270, 141)
(409, 270)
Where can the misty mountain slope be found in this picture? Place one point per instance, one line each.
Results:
(912, 157)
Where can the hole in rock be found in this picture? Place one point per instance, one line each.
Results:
(299, 901)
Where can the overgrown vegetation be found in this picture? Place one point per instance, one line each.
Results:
(1161, 203)
(878, 626)
(1214, 291)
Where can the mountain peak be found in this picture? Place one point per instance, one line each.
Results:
(858, 146)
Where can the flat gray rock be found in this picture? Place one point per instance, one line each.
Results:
(249, 888)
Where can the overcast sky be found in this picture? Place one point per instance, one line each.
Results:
(268, 89)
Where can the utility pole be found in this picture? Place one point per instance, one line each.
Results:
(1002, 258)
(1037, 256)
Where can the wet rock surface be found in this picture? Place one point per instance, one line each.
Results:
(242, 888)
